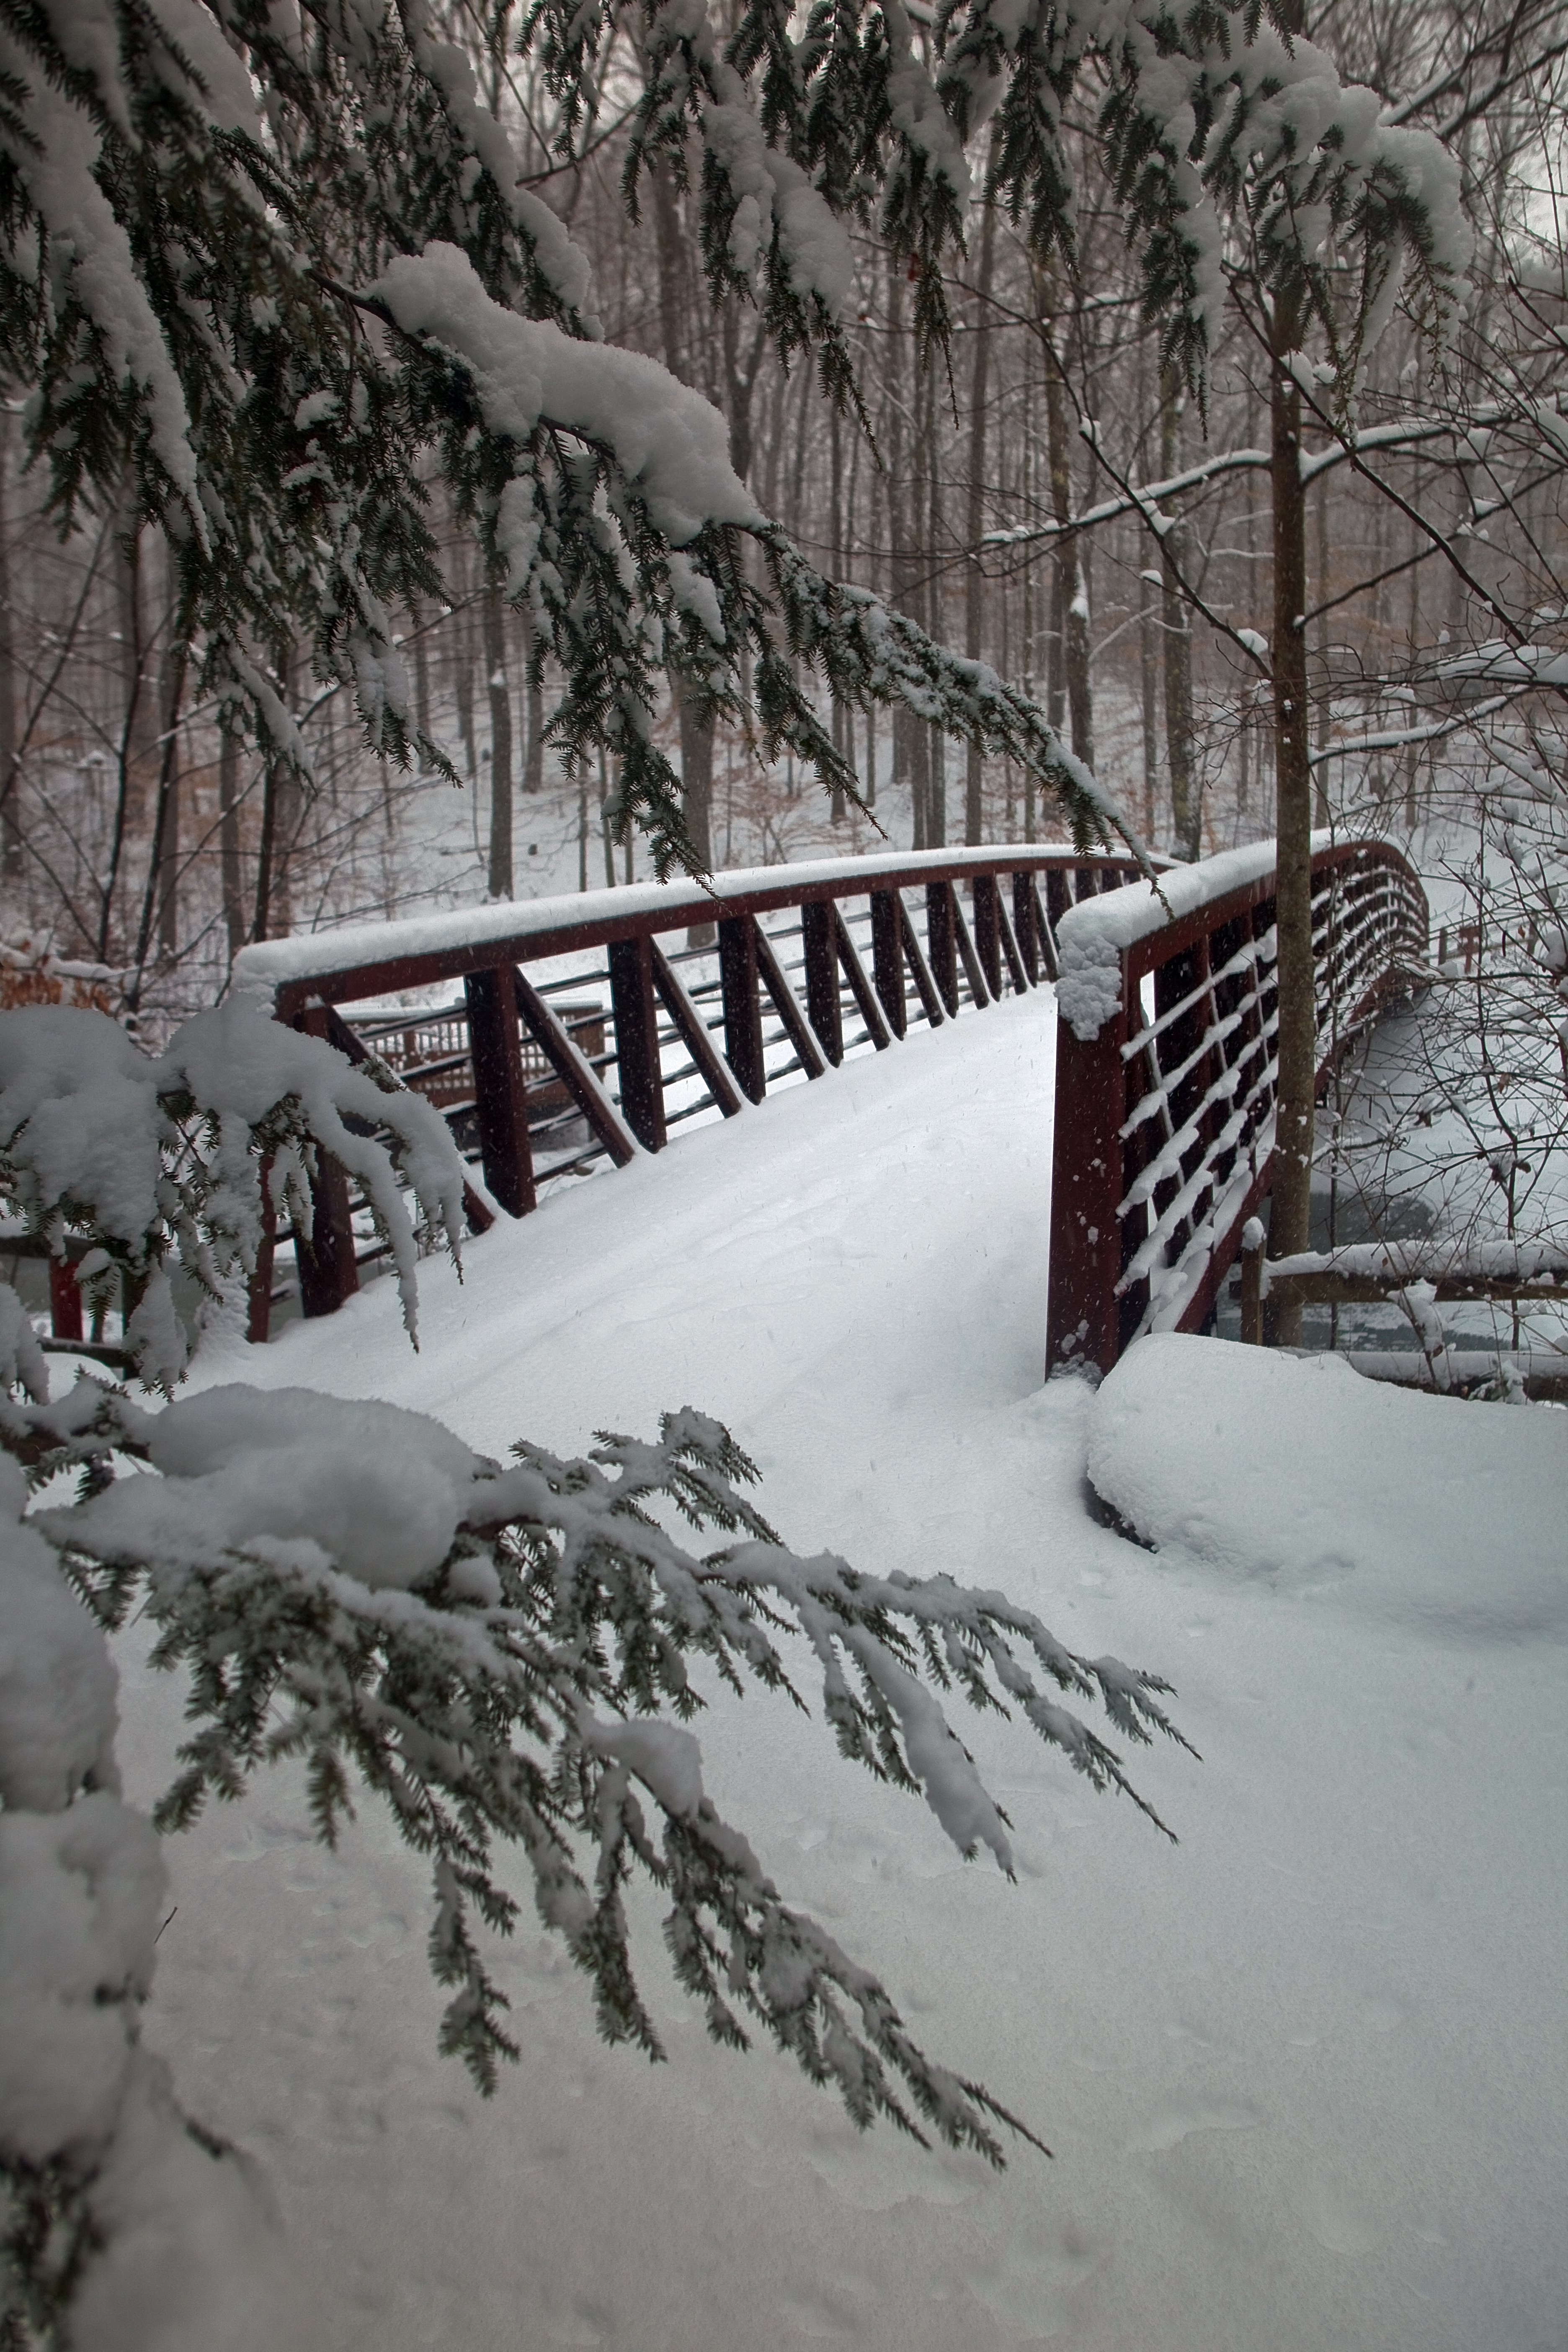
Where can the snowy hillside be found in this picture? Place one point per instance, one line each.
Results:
(1304, 2073)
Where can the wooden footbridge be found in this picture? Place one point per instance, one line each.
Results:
(582, 1031)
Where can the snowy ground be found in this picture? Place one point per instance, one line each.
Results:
(1304, 2074)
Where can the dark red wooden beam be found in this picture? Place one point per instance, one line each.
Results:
(743, 1004)
(637, 1040)
(500, 1096)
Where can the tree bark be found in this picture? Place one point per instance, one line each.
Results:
(1291, 1214)
(1186, 810)
(975, 520)
(499, 877)
(1149, 682)
(1071, 607)
(167, 863)
(228, 842)
(936, 805)
(11, 845)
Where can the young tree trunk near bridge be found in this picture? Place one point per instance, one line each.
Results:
(499, 877)
(11, 847)
(1071, 603)
(1289, 1216)
(1186, 807)
(974, 522)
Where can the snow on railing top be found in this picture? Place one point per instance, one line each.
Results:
(272, 964)
(1093, 936)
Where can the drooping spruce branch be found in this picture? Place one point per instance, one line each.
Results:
(504, 1655)
(189, 238)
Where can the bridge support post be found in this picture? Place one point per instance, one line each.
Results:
(1083, 1323)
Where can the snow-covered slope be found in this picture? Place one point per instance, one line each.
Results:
(1304, 2074)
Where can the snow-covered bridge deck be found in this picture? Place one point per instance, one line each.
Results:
(1304, 2073)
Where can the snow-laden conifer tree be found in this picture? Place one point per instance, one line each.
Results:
(505, 1655)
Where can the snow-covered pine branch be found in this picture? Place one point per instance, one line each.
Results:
(211, 344)
(504, 1654)
(210, 349)
(604, 490)
(121, 2223)
(160, 1159)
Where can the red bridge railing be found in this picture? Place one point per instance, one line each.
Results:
(1166, 1070)
(584, 1032)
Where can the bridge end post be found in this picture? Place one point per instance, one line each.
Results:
(1082, 1319)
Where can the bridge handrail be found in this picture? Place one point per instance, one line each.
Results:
(362, 960)
(688, 1030)
(1165, 1114)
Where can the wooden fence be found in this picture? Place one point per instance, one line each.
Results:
(1166, 1070)
(592, 1027)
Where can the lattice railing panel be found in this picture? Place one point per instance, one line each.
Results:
(1167, 1072)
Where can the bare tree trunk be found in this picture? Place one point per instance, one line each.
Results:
(936, 803)
(974, 519)
(1414, 640)
(1326, 699)
(500, 878)
(1290, 1216)
(696, 727)
(533, 712)
(1186, 812)
(460, 641)
(228, 842)
(910, 742)
(167, 864)
(1148, 679)
(11, 856)
(421, 671)
(841, 717)
(1070, 607)
(139, 724)
(279, 800)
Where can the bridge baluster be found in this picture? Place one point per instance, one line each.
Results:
(823, 1002)
(637, 1040)
(987, 931)
(743, 1004)
(941, 938)
(501, 1095)
(887, 959)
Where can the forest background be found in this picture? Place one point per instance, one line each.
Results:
(1043, 495)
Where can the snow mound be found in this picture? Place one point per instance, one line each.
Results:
(1437, 1514)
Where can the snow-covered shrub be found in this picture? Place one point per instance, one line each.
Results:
(159, 1158)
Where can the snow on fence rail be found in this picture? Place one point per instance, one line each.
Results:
(1167, 1062)
(613, 1038)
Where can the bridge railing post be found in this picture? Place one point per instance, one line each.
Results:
(1082, 1330)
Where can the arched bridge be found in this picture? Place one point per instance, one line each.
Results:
(586, 1029)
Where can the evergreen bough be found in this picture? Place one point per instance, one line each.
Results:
(508, 1655)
